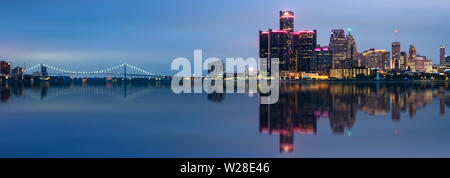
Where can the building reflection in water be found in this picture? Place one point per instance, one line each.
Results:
(216, 97)
(5, 92)
(301, 104)
(299, 107)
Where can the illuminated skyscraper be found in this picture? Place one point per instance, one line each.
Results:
(293, 49)
(442, 56)
(403, 58)
(338, 47)
(322, 60)
(287, 21)
(304, 44)
(411, 58)
(352, 56)
(274, 44)
(396, 50)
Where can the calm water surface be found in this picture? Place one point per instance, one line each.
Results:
(311, 119)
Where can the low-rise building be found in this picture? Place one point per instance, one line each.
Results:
(376, 59)
(349, 73)
(17, 72)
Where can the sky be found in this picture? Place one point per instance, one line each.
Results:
(87, 35)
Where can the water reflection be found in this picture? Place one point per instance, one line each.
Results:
(302, 104)
(303, 109)
(40, 90)
(216, 97)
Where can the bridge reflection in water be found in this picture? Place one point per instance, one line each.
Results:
(48, 90)
(300, 107)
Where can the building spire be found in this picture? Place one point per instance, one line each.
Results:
(396, 35)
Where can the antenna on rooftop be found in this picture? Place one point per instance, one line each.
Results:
(396, 35)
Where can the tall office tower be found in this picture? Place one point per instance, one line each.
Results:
(322, 60)
(287, 21)
(287, 24)
(352, 55)
(338, 47)
(403, 58)
(280, 48)
(396, 50)
(44, 71)
(264, 47)
(274, 44)
(375, 58)
(304, 43)
(442, 56)
(293, 49)
(5, 68)
(411, 58)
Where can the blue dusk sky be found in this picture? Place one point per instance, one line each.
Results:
(94, 34)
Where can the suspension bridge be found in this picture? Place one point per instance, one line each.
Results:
(119, 70)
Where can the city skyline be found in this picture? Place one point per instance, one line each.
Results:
(90, 35)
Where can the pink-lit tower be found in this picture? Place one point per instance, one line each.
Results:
(287, 21)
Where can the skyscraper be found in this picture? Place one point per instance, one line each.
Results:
(287, 21)
(447, 60)
(442, 55)
(338, 47)
(304, 44)
(396, 50)
(322, 60)
(44, 71)
(411, 58)
(403, 58)
(293, 49)
(352, 55)
(274, 44)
